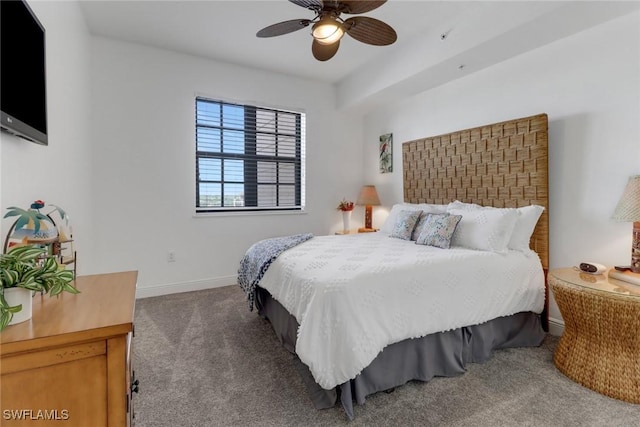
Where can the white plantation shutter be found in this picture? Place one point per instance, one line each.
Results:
(248, 158)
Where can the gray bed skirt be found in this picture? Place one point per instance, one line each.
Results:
(442, 354)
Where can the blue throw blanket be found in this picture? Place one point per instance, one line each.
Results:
(258, 259)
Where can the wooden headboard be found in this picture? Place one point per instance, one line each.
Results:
(502, 165)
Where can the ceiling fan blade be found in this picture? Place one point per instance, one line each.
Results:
(283, 28)
(360, 6)
(308, 4)
(370, 31)
(324, 52)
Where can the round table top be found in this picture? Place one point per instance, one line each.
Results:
(598, 282)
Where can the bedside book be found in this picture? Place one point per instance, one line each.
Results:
(626, 276)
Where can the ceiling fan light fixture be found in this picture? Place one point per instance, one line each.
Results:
(328, 28)
(327, 31)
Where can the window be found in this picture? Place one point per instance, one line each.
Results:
(248, 158)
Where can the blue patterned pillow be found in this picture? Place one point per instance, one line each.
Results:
(419, 224)
(405, 223)
(438, 230)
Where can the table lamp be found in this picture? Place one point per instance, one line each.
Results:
(628, 210)
(368, 197)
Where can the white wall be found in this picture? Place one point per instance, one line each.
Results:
(59, 173)
(143, 123)
(589, 85)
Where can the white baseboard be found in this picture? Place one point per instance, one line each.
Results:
(194, 285)
(556, 326)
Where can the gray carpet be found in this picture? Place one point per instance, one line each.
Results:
(204, 360)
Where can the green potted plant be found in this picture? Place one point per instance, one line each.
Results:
(24, 270)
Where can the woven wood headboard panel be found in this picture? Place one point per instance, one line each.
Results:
(503, 165)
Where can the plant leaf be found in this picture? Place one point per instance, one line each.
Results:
(9, 278)
(50, 265)
(66, 275)
(5, 318)
(30, 275)
(69, 288)
(6, 312)
(14, 309)
(27, 253)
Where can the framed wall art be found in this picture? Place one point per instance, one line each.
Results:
(386, 153)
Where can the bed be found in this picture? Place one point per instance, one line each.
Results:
(367, 313)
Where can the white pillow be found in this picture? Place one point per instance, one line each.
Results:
(457, 204)
(390, 222)
(427, 207)
(484, 229)
(527, 219)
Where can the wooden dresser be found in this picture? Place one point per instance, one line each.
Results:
(70, 364)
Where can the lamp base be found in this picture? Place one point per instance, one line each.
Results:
(635, 248)
(368, 216)
(366, 230)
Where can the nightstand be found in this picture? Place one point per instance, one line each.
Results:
(341, 232)
(355, 231)
(600, 345)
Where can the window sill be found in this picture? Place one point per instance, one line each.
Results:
(247, 213)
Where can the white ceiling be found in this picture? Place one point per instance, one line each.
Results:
(226, 31)
(478, 33)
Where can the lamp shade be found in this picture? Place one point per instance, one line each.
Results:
(368, 196)
(628, 209)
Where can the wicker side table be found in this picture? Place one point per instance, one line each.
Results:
(600, 347)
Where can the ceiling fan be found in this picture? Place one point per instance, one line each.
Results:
(328, 28)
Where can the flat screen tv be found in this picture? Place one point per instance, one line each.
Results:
(23, 90)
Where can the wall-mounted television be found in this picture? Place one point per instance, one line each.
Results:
(23, 90)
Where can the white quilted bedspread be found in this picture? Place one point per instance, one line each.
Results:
(353, 295)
